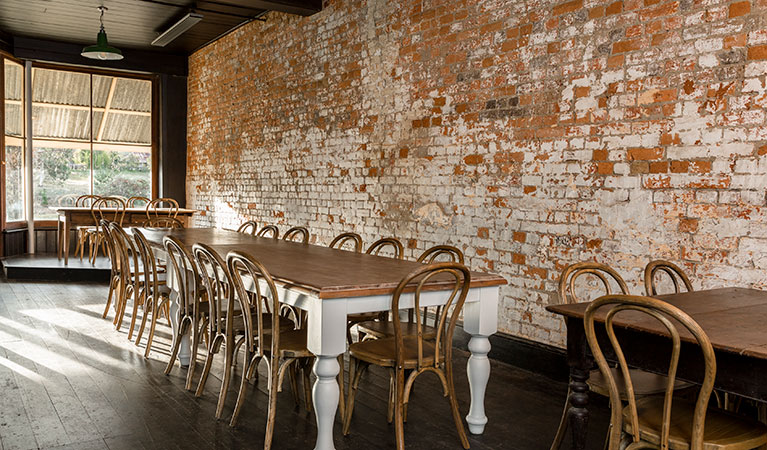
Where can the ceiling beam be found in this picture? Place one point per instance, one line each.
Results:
(299, 7)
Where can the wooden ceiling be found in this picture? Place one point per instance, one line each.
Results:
(134, 24)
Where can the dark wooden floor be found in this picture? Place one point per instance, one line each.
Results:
(69, 380)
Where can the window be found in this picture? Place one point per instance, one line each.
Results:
(14, 141)
(91, 133)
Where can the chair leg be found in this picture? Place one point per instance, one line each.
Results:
(176, 344)
(127, 293)
(306, 369)
(196, 334)
(273, 388)
(562, 424)
(226, 378)
(152, 327)
(392, 399)
(454, 404)
(112, 288)
(341, 389)
(246, 363)
(138, 300)
(147, 310)
(399, 423)
(205, 371)
(293, 374)
(356, 369)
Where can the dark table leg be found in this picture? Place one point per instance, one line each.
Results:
(580, 365)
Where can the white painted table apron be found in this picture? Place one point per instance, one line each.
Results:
(326, 338)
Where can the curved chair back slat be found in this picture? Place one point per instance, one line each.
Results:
(185, 273)
(86, 200)
(148, 267)
(602, 272)
(414, 282)
(297, 234)
(257, 295)
(163, 206)
(137, 202)
(269, 231)
(163, 222)
(446, 253)
(347, 238)
(248, 227)
(674, 272)
(218, 286)
(606, 309)
(390, 245)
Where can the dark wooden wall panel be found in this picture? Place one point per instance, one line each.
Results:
(173, 137)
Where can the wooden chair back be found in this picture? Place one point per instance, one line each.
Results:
(441, 252)
(163, 222)
(67, 200)
(104, 224)
(347, 238)
(602, 272)
(111, 209)
(185, 273)
(247, 271)
(297, 234)
(456, 274)
(269, 231)
(250, 227)
(389, 246)
(673, 271)
(219, 289)
(147, 270)
(153, 208)
(124, 253)
(136, 201)
(669, 316)
(86, 200)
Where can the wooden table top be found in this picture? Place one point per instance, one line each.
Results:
(735, 319)
(325, 272)
(142, 209)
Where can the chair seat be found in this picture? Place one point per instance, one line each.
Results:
(238, 323)
(382, 352)
(722, 430)
(362, 317)
(645, 383)
(384, 329)
(292, 344)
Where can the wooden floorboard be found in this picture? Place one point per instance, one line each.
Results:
(68, 380)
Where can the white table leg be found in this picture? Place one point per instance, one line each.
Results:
(480, 319)
(478, 369)
(325, 396)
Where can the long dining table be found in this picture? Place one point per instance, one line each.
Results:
(73, 216)
(733, 318)
(330, 284)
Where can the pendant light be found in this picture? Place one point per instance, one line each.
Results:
(102, 50)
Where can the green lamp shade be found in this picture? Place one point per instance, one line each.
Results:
(102, 50)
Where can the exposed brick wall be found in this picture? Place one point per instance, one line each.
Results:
(531, 134)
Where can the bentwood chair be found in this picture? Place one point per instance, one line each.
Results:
(82, 231)
(114, 273)
(389, 247)
(414, 353)
(664, 422)
(163, 222)
(674, 272)
(602, 278)
(194, 310)
(297, 234)
(264, 337)
(269, 231)
(248, 227)
(136, 202)
(343, 239)
(385, 328)
(127, 257)
(162, 206)
(104, 208)
(154, 293)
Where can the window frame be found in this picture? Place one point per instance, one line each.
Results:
(155, 129)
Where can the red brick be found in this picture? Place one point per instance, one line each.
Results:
(738, 9)
(644, 154)
(614, 8)
(757, 52)
(567, 7)
(687, 225)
